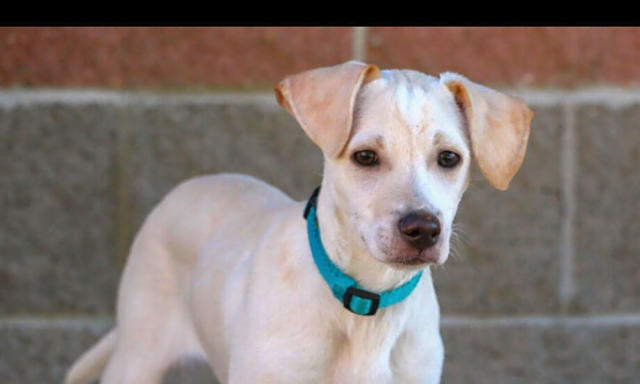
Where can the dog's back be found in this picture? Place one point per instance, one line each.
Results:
(227, 209)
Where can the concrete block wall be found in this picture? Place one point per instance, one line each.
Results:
(97, 124)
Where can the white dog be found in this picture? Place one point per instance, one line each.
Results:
(223, 267)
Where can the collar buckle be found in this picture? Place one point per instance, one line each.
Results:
(361, 302)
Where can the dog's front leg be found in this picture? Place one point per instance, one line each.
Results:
(362, 375)
(355, 365)
(418, 358)
(263, 371)
(285, 362)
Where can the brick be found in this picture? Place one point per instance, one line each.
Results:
(554, 353)
(41, 351)
(165, 57)
(507, 56)
(168, 144)
(508, 261)
(57, 231)
(608, 210)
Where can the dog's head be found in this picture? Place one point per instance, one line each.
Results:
(398, 145)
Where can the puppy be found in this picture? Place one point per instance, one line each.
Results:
(229, 269)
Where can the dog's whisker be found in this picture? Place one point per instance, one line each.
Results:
(458, 239)
(458, 233)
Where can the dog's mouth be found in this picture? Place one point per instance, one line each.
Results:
(417, 259)
(400, 254)
(409, 264)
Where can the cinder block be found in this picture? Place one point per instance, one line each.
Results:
(168, 144)
(507, 257)
(607, 218)
(65, 236)
(541, 354)
(41, 351)
(57, 200)
(190, 372)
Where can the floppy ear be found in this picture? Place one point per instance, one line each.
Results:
(322, 100)
(498, 126)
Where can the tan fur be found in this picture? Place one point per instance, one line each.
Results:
(322, 100)
(499, 126)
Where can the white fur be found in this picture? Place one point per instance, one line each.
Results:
(221, 269)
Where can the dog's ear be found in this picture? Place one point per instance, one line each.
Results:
(322, 100)
(498, 126)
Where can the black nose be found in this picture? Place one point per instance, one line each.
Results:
(420, 229)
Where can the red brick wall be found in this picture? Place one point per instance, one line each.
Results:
(256, 58)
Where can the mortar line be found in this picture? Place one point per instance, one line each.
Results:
(607, 320)
(566, 278)
(12, 97)
(43, 321)
(591, 320)
(77, 97)
(359, 44)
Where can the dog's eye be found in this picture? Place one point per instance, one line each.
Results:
(448, 159)
(366, 158)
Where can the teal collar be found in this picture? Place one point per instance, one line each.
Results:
(345, 288)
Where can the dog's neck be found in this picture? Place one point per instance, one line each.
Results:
(348, 252)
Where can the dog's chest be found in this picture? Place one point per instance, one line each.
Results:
(373, 356)
(360, 351)
(356, 362)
